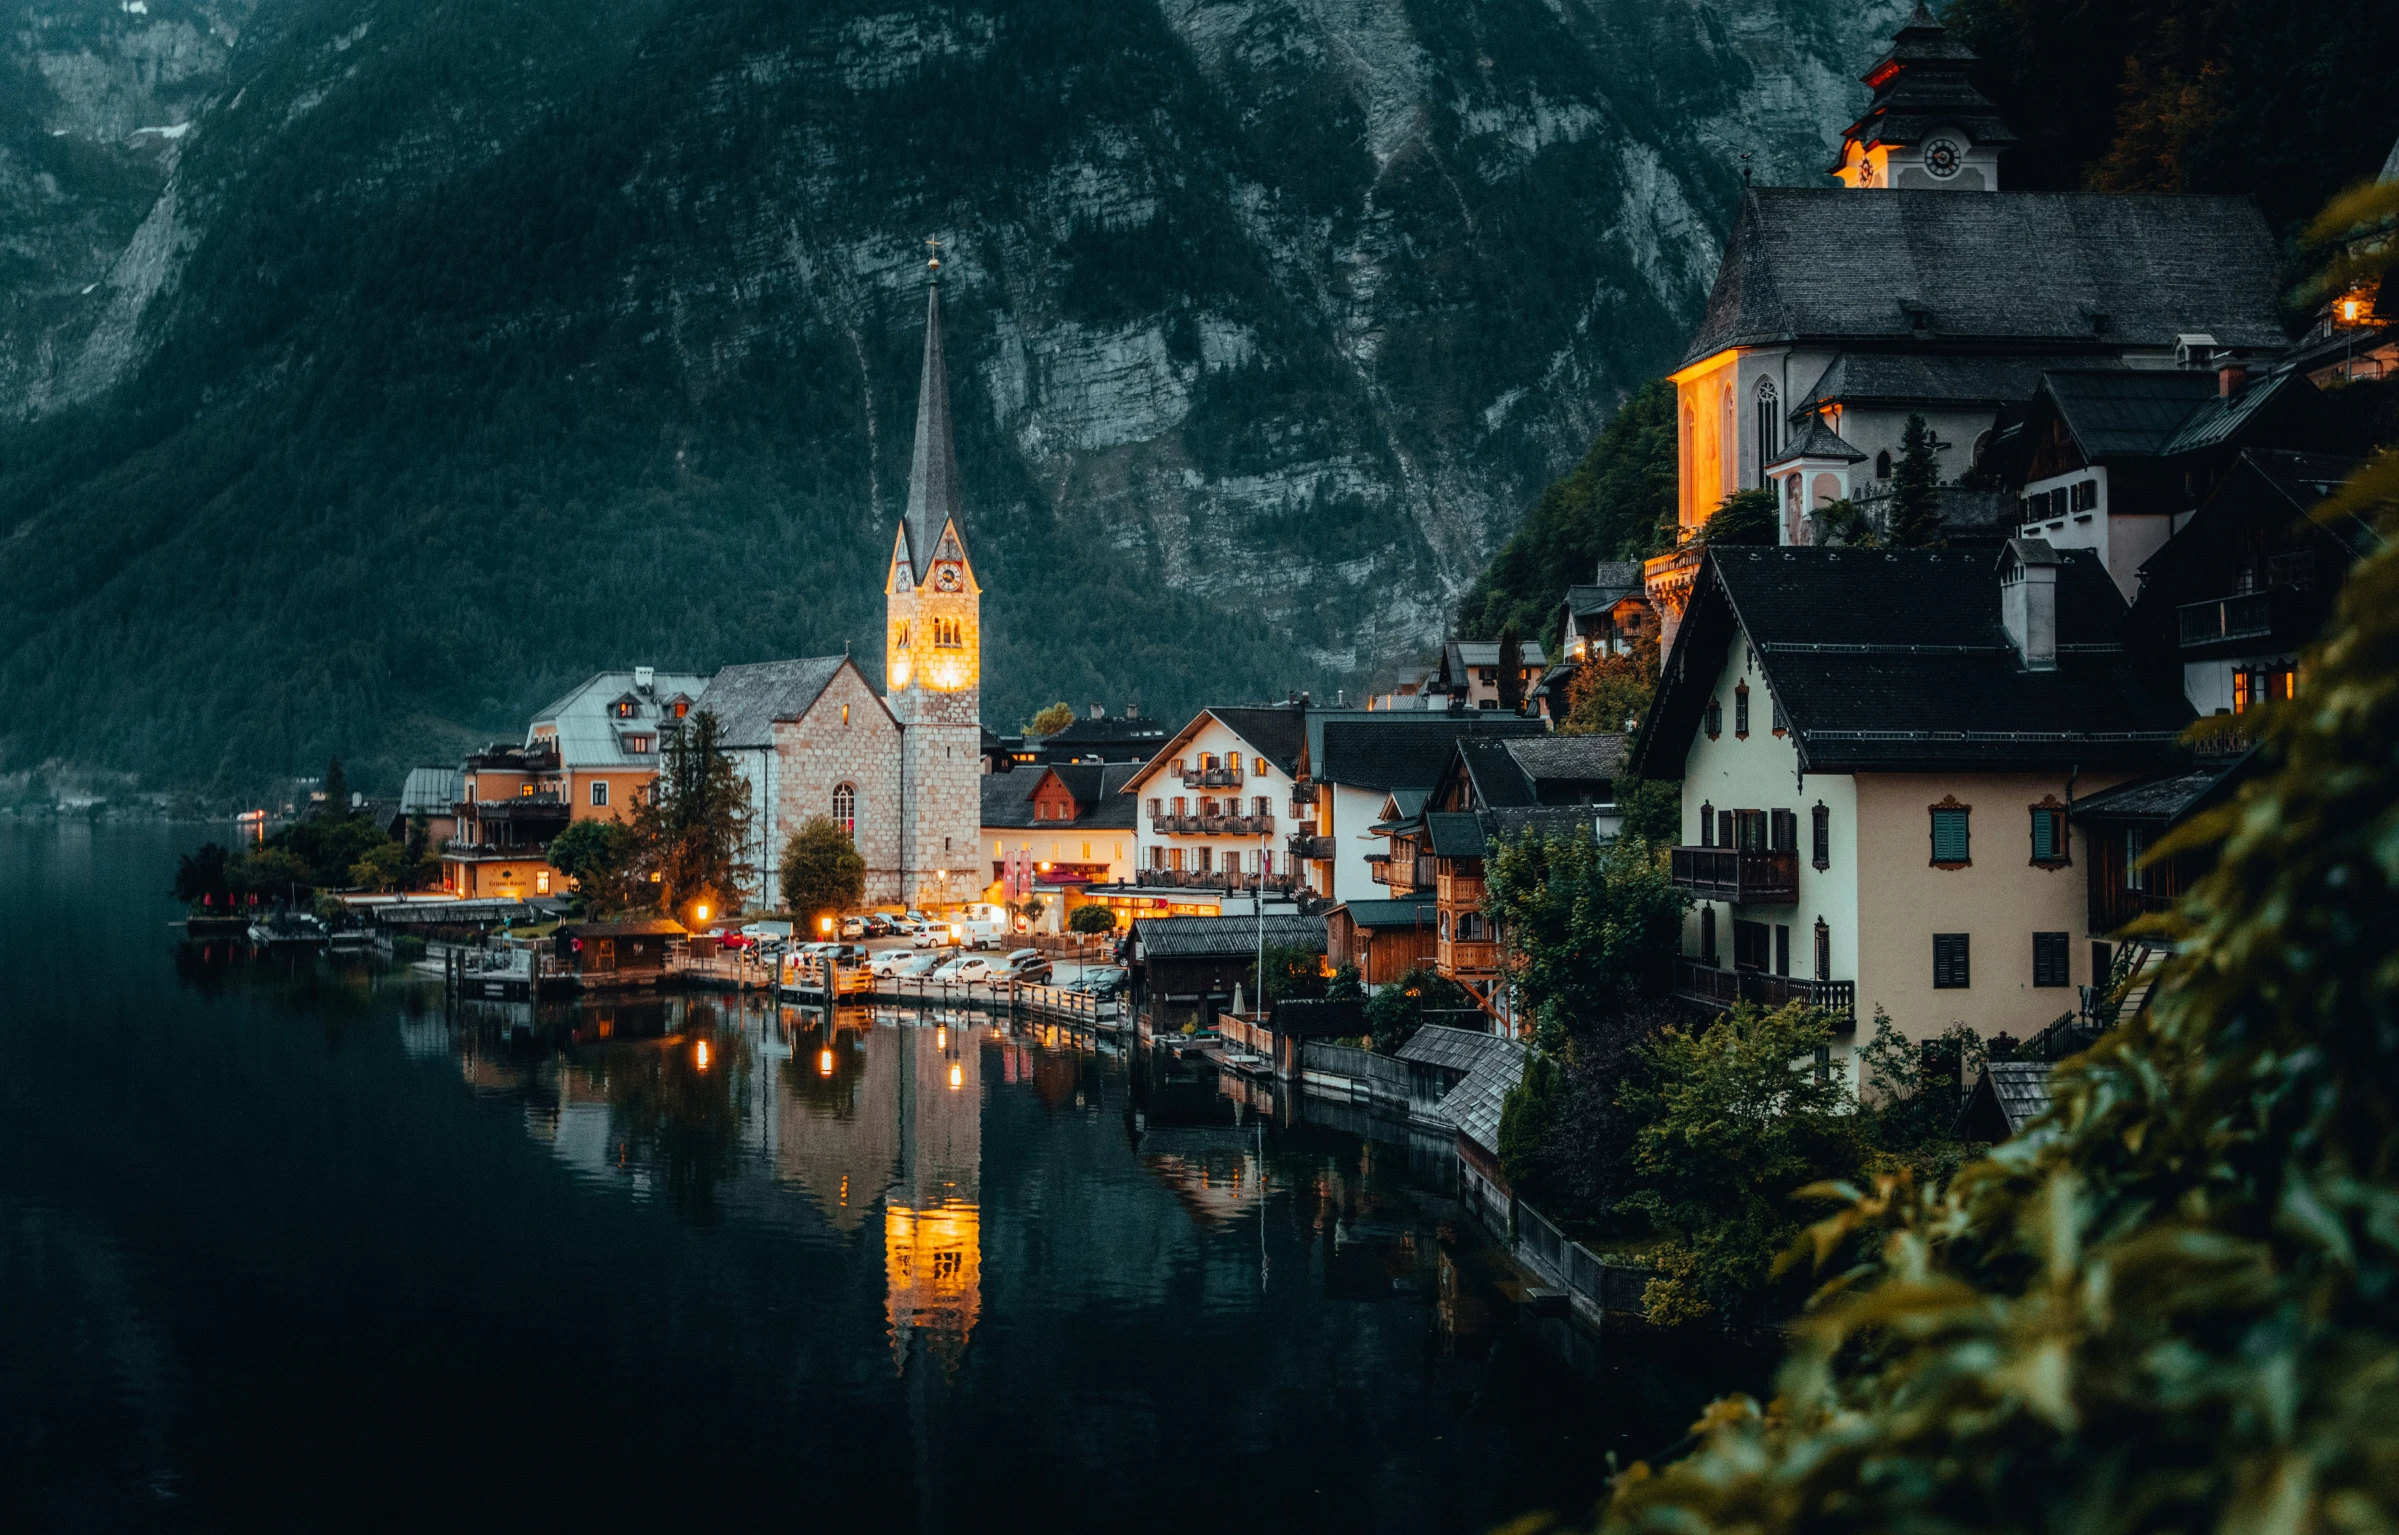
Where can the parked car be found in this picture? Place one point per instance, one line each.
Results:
(916, 967)
(878, 925)
(975, 968)
(767, 932)
(853, 927)
(889, 961)
(1028, 965)
(925, 937)
(950, 969)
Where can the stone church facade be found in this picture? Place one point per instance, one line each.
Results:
(901, 769)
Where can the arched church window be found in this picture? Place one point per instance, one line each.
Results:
(1882, 464)
(1728, 440)
(1770, 439)
(845, 809)
(1690, 464)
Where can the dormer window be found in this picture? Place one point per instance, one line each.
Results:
(639, 746)
(626, 707)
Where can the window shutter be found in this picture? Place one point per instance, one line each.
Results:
(1707, 825)
(2049, 959)
(1822, 816)
(1950, 838)
(1786, 831)
(1949, 962)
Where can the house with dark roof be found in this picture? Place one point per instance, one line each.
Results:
(1382, 940)
(1073, 818)
(1187, 967)
(1468, 676)
(1917, 288)
(1097, 737)
(1214, 807)
(1879, 753)
(1356, 762)
(2251, 579)
(2114, 459)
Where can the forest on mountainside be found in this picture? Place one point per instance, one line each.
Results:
(2285, 102)
(412, 363)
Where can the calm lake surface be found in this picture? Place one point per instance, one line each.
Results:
(287, 1244)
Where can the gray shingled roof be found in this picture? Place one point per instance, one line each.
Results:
(588, 735)
(750, 698)
(1188, 937)
(2161, 798)
(1461, 1050)
(2120, 412)
(1475, 1104)
(1008, 797)
(1895, 378)
(2021, 1089)
(2048, 269)
(1816, 439)
(1454, 834)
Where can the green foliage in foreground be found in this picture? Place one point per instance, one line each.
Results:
(604, 859)
(2175, 1305)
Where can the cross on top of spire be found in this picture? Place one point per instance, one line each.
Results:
(933, 258)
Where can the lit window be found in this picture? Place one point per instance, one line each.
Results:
(524, 791)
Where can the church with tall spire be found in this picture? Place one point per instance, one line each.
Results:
(933, 642)
(899, 770)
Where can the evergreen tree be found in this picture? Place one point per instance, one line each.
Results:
(337, 789)
(695, 822)
(1511, 667)
(1915, 520)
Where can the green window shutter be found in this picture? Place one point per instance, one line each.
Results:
(1949, 836)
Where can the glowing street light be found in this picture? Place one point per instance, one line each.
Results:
(824, 924)
(701, 911)
(957, 1075)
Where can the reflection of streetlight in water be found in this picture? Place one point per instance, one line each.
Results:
(699, 1055)
(957, 1075)
(824, 1063)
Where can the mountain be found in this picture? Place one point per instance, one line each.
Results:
(373, 370)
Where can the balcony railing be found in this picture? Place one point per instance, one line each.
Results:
(525, 807)
(1303, 794)
(1460, 889)
(1738, 876)
(1312, 847)
(2248, 616)
(1469, 957)
(1398, 873)
(1212, 825)
(1212, 778)
(1711, 987)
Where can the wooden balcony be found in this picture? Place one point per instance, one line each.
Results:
(1740, 877)
(1212, 778)
(1478, 957)
(1461, 890)
(1309, 846)
(1711, 987)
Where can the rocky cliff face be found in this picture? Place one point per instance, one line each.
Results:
(521, 337)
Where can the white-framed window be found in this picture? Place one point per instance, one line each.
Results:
(845, 809)
(599, 793)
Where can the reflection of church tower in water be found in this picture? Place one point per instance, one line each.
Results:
(932, 1222)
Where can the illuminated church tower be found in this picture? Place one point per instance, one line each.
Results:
(933, 653)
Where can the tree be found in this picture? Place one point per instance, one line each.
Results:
(1511, 667)
(1617, 504)
(1734, 1118)
(1843, 524)
(1052, 720)
(1607, 691)
(1399, 1009)
(200, 876)
(1915, 520)
(1292, 970)
(2171, 1304)
(1586, 928)
(337, 789)
(603, 858)
(1091, 917)
(382, 867)
(824, 874)
(695, 821)
(1745, 517)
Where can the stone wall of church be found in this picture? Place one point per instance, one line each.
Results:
(944, 819)
(847, 737)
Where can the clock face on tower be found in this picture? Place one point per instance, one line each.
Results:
(1943, 158)
(945, 577)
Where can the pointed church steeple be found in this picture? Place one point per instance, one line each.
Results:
(933, 473)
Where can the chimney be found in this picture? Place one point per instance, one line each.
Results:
(645, 678)
(2028, 600)
(1099, 711)
(1132, 711)
(2231, 374)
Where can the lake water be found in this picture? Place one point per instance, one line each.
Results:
(285, 1243)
